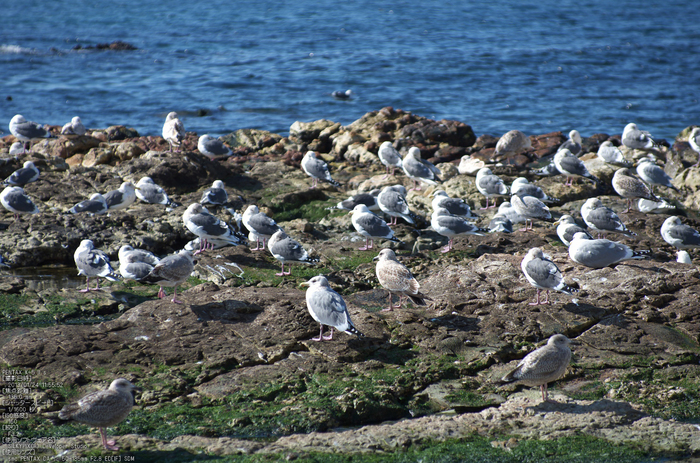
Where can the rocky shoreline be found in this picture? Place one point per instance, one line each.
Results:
(235, 363)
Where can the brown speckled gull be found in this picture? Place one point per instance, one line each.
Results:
(397, 279)
(630, 187)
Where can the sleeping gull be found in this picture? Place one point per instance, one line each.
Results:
(693, 141)
(138, 255)
(122, 197)
(543, 365)
(260, 225)
(370, 226)
(634, 138)
(148, 192)
(317, 169)
(567, 228)
(661, 206)
(74, 127)
(542, 273)
(215, 194)
(172, 271)
(601, 252)
(419, 169)
(547, 170)
(209, 228)
(173, 130)
(397, 279)
(611, 154)
(92, 262)
(571, 166)
(522, 187)
(15, 200)
(368, 199)
(392, 201)
(286, 249)
(500, 223)
(131, 268)
(27, 131)
(95, 205)
(212, 147)
(454, 206)
(328, 308)
(506, 209)
(389, 157)
(530, 208)
(16, 149)
(683, 258)
(451, 226)
(490, 185)
(103, 409)
(513, 141)
(630, 187)
(28, 173)
(679, 235)
(653, 174)
(602, 219)
(573, 144)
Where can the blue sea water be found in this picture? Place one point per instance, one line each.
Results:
(542, 66)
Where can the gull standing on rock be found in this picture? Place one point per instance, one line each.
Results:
(26, 131)
(601, 252)
(397, 279)
(286, 249)
(573, 144)
(328, 308)
(392, 201)
(95, 205)
(637, 139)
(15, 200)
(653, 174)
(530, 208)
(74, 127)
(512, 142)
(370, 226)
(571, 166)
(148, 192)
(259, 225)
(92, 262)
(317, 169)
(103, 409)
(209, 228)
(567, 228)
(679, 235)
(611, 154)
(543, 366)
(28, 173)
(693, 141)
(122, 197)
(542, 273)
(450, 226)
(630, 187)
(602, 219)
(389, 157)
(522, 187)
(216, 194)
(420, 169)
(454, 206)
(368, 199)
(490, 185)
(172, 271)
(173, 130)
(212, 147)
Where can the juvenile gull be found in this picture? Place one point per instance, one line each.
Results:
(15, 200)
(122, 197)
(172, 271)
(16, 149)
(131, 268)
(522, 187)
(389, 157)
(260, 225)
(679, 235)
(92, 262)
(490, 185)
(630, 187)
(328, 308)
(634, 138)
(397, 279)
(542, 273)
(209, 228)
(74, 127)
(602, 219)
(573, 144)
(530, 208)
(28, 173)
(506, 209)
(216, 194)
(601, 252)
(419, 169)
(368, 199)
(454, 206)
(653, 174)
(25, 130)
(500, 223)
(513, 141)
(286, 249)
(173, 130)
(370, 226)
(148, 192)
(392, 201)
(543, 366)
(693, 141)
(212, 147)
(571, 166)
(103, 409)
(452, 225)
(317, 169)
(95, 205)
(567, 228)
(611, 154)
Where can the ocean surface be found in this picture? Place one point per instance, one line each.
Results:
(590, 65)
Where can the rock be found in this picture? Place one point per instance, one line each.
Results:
(309, 131)
(453, 133)
(95, 156)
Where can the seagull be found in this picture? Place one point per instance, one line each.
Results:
(490, 185)
(389, 157)
(500, 223)
(173, 130)
(15, 200)
(216, 194)
(611, 154)
(451, 226)
(567, 228)
(634, 138)
(601, 252)
(212, 147)
(260, 225)
(103, 409)
(630, 187)
(74, 127)
(693, 141)
(571, 166)
(317, 169)
(542, 273)
(328, 308)
(454, 206)
(657, 207)
(679, 235)
(209, 228)
(148, 192)
(653, 174)
(95, 205)
(122, 197)
(172, 271)
(547, 170)
(543, 365)
(368, 199)
(340, 95)
(131, 268)
(573, 144)
(507, 210)
(286, 249)
(513, 141)
(27, 131)
(683, 258)
(370, 226)
(522, 187)
(419, 169)
(392, 201)
(138, 255)
(397, 279)
(602, 219)
(17, 149)
(28, 173)
(530, 208)
(92, 262)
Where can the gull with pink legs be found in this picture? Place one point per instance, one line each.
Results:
(370, 226)
(542, 273)
(259, 225)
(451, 226)
(328, 308)
(92, 262)
(286, 249)
(397, 279)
